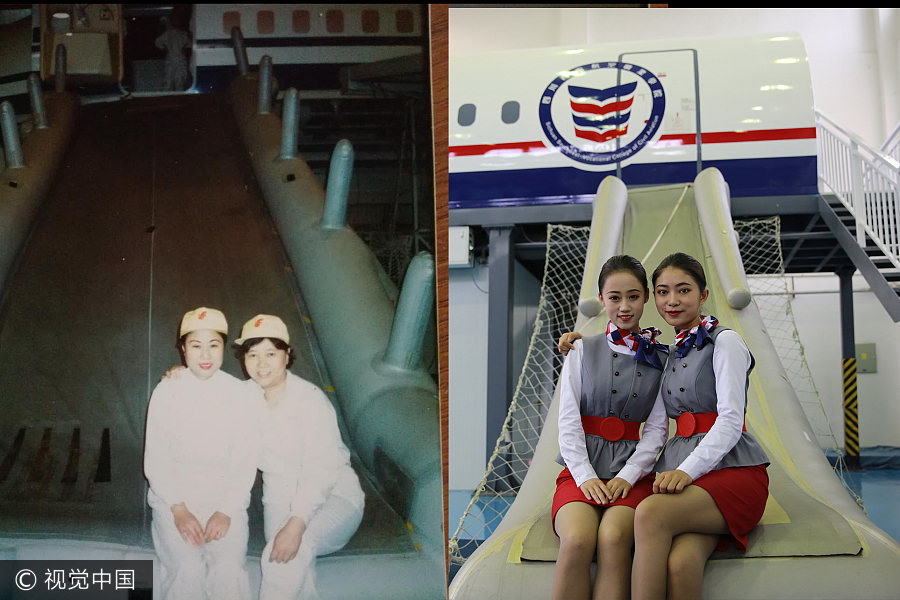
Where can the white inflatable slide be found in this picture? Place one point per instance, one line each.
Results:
(814, 541)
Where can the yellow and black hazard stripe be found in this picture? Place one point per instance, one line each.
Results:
(851, 412)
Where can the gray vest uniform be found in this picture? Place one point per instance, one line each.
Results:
(689, 385)
(613, 384)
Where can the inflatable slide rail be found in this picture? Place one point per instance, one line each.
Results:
(371, 338)
(29, 165)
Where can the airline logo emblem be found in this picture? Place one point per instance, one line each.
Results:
(601, 115)
(589, 122)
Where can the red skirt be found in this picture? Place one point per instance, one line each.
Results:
(740, 494)
(567, 491)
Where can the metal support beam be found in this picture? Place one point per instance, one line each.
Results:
(265, 85)
(826, 259)
(499, 335)
(400, 72)
(240, 51)
(800, 239)
(59, 76)
(848, 364)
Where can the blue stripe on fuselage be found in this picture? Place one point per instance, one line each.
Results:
(528, 187)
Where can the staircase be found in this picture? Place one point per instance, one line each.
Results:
(891, 147)
(860, 203)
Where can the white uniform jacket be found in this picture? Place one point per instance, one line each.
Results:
(304, 460)
(203, 442)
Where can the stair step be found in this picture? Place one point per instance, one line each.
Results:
(878, 258)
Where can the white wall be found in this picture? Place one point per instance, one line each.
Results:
(853, 56)
(852, 52)
(816, 308)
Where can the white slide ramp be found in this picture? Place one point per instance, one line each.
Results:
(814, 541)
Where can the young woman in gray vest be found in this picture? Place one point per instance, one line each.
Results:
(711, 479)
(608, 387)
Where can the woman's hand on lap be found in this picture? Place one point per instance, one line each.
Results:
(217, 526)
(618, 488)
(671, 482)
(287, 541)
(594, 489)
(187, 525)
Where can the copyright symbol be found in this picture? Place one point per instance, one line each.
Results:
(22, 578)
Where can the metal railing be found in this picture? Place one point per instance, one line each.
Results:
(891, 146)
(866, 181)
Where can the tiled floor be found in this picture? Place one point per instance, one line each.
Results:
(879, 489)
(878, 484)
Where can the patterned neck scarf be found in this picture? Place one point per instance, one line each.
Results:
(644, 345)
(698, 335)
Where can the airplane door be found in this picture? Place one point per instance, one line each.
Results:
(678, 140)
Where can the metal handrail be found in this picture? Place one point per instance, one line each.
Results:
(891, 146)
(866, 182)
(876, 155)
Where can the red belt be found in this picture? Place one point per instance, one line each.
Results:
(691, 423)
(612, 428)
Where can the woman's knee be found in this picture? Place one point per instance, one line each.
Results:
(684, 574)
(577, 546)
(651, 516)
(576, 525)
(684, 566)
(333, 526)
(687, 561)
(617, 535)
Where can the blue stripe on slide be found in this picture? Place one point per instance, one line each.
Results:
(794, 175)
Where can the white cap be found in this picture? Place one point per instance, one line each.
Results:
(203, 318)
(264, 326)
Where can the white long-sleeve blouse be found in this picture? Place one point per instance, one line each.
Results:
(202, 443)
(731, 360)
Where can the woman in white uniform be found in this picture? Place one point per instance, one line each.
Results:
(202, 444)
(312, 499)
(175, 42)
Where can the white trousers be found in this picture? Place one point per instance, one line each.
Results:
(329, 530)
(176, 72)
(214, 571)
